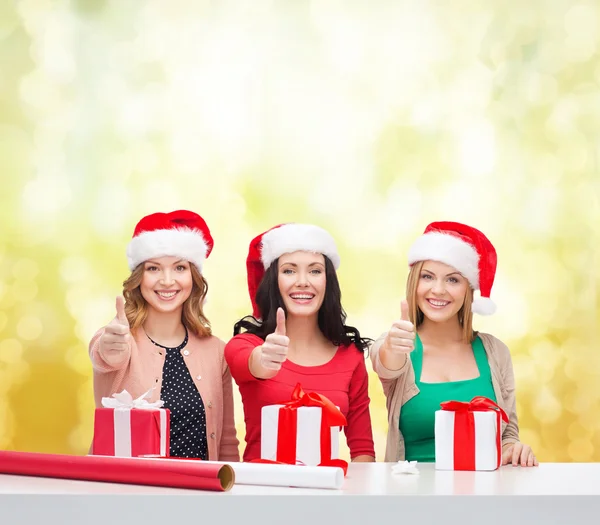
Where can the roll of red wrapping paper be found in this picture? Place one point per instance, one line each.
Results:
(177, 474)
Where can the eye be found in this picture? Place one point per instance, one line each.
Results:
(425, 276)
(287, 271)
(316, 271)
(151, 268)
(453, 280)
(181, 268)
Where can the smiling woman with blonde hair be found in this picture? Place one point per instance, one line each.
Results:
(160, 338)
(432, 354)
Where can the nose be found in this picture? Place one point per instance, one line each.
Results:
(167, 277)
(439, 287)
(301, 279)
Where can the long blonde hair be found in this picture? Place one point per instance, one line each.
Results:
(192, 315)
(465, 314)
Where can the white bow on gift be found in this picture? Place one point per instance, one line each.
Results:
(125, 400)
(123, 403)
(405, 467)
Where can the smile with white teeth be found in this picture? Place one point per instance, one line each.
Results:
(438, 304)
(301, 296)
(167, 295)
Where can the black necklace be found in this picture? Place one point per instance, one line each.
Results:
(182, 345)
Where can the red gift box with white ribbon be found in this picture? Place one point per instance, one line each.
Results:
(128, 427)
(303, 430)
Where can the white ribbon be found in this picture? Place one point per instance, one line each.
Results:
(125, 400)
(123, 403)
(405, 467)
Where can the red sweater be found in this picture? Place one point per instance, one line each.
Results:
(343, 380)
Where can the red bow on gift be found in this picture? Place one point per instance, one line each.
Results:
(477, 404)
(464, 429)
(287, 427)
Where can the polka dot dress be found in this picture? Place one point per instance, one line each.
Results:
(181, 397)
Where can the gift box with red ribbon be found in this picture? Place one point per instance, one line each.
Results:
(468, 436)
(303, 430)
(128, 427)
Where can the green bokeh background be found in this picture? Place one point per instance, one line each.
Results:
(370, 119)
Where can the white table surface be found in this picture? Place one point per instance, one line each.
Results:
(367, 479)
(550, 493)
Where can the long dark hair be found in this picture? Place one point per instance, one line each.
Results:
(331, 316)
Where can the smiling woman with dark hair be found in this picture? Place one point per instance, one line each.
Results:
(297, 334)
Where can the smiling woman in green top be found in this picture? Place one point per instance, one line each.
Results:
(444, 359)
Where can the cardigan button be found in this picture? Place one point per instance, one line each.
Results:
(186, 352)
(210, 404)
(212, 436)
(198, 377)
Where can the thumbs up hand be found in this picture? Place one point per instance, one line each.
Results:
(401, 337)
(275, 348)
(115, 339)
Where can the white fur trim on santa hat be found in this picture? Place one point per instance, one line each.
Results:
(178, 242)
(450, 250)
(483, 306)
(291, 238)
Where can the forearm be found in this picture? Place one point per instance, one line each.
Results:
(363, 459)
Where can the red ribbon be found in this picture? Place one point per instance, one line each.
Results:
(287, 427)
(464, 429)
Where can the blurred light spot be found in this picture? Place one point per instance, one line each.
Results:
(145, 158)
(541, 89)
(46, 196)
(74, 269)
(11, 351)
(25, 269)
(581, 450)
(576, 431)
(547, 409)
(24, 291)
(477, 148)
(573, 153)
(29, 328)
(9, 19)
(581, 25)
(160, 191)
(111, 210)
(78, 360)
(3, 320)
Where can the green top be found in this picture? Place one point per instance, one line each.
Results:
(417, 417)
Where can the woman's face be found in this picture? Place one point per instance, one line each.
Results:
(166, 283)
(441, 291)
(301, 279)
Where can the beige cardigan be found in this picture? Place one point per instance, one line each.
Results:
(142, 367)
(399, 386)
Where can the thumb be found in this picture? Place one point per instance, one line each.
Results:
(120, 305)
(280, 328)
(404, 310)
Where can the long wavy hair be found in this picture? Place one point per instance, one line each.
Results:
(331, 316)
(192, 315)
(465, 314)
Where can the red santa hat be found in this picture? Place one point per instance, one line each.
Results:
(464, 248)
(285, 238)
(180, 233)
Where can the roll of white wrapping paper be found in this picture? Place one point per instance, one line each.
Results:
(281, 475)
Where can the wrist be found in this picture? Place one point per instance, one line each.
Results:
(256, 367)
